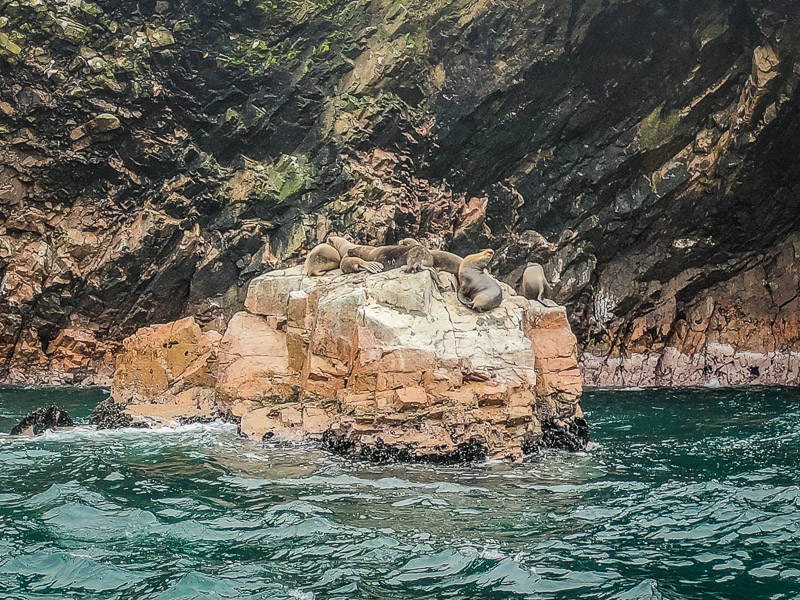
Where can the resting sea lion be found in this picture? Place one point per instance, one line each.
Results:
(349, 264)
(341, 244)
(321, 259)
(446, 261)
(389, 256)
(534, 283)
(419, 258)
(476, 289)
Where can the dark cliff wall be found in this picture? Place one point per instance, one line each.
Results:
(154, 156)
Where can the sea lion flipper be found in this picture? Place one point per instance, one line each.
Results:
(373, 266)
(462, 299)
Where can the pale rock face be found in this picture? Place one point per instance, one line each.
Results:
(382, 366)
(165, 374)
(253, 359)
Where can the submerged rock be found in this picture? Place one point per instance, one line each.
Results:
(386, 367)
(41, 420)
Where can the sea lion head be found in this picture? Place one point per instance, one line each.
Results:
(408, 242)
(482, 259)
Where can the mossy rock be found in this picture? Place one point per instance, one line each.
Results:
(104, 122)
(72, 30)
(9, 49)
(160, 37)
(657, 128)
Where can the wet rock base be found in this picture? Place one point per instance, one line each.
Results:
(41, 420)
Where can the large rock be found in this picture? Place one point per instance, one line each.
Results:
(384, 366)
(166, 374)
(41, 420)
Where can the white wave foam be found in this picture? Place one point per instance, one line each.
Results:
(91, 432)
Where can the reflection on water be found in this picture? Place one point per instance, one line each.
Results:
(685, 495)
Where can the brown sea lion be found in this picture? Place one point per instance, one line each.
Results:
(534, 283)
(321, 259)
(389, 256)
(477, 289)
(446, 261)
(341, 244)
(419, 258)
(351, 264)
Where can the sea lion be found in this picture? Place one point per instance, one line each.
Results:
(341, 244)
(534, 283)
(446, 261)
(477, 289)
(419, 258)
(351, 264)
(321, 259)
(389, 256)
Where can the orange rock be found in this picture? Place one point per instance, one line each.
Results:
(413, 398)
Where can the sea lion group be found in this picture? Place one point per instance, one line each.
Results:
(476, 288)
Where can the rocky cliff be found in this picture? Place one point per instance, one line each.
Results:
(157, 155)
(384, 366)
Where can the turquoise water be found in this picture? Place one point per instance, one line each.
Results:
(687, 495)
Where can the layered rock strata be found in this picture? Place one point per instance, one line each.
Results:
(744, 331)
(156, 156)
(382, 366)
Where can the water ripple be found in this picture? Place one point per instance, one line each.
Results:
(685, 496)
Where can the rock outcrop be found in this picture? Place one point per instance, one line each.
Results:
(382, 366)
(41, 420)
(156, 156)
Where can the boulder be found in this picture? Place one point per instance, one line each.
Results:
(105, 122)
(110, 415)
(41, 420)
(386, 367)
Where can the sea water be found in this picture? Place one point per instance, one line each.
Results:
(685, 494)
